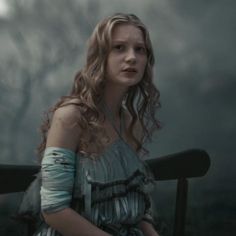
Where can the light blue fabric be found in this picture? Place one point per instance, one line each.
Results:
(111, 191)
(115, 187)
(58, 171)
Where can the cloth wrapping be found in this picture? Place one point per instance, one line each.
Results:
(58, 173)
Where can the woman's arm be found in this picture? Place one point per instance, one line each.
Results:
(148, 229)
(64, 133)
(70, 223)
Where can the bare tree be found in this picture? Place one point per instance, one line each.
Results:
(46, 37)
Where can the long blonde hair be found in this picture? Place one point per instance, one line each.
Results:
(142, 99)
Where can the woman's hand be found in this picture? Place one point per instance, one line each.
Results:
(148, 229)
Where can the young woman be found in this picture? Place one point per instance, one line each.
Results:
(93, 180)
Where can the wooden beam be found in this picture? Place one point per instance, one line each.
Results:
(186, 164)
(16, 178)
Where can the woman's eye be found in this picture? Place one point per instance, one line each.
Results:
(141, 49)
(119, 47)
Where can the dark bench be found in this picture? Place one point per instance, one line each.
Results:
(179, 166)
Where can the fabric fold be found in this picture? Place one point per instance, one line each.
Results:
(116, 186)
(58, 172)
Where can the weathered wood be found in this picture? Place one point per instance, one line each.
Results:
(178, 166)
(180, 207)
(186, 164)
(16, 178)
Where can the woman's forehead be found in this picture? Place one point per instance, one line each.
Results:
(125, 32)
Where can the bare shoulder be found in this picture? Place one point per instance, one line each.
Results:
(67, 115)
(65, 129)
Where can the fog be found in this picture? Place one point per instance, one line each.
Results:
(42, 46)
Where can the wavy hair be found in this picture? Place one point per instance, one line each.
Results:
(141, 100)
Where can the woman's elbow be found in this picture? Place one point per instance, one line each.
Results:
(54, 218)
(47, 216)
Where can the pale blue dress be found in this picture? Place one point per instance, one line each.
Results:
(112, 192)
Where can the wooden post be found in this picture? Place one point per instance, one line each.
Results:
(180, 207)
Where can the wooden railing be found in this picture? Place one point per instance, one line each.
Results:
(179, 166)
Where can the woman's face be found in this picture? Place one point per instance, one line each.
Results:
(127, 58)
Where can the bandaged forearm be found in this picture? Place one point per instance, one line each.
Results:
(58, 171)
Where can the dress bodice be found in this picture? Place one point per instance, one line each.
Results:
(115, 187)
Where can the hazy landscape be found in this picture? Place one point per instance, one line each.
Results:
(42, 45)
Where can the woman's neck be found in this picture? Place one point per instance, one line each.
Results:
(113, 97)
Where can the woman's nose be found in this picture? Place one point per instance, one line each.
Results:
(131, 56)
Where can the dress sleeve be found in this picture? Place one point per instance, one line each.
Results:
(58, 175)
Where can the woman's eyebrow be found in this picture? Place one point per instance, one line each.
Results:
(141, 44)
(126, 41)
(118, 41)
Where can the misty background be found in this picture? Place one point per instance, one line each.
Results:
(43, 45)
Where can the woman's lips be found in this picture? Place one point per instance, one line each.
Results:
(129, 73)
(130, 69)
